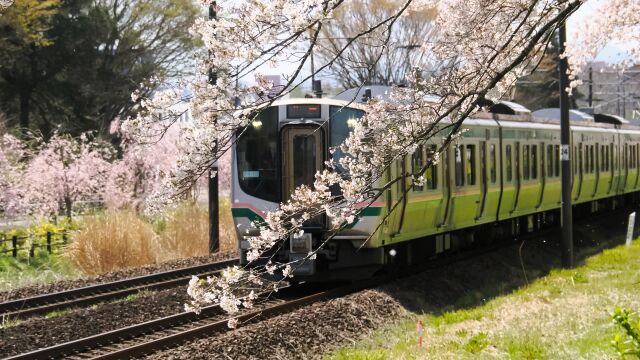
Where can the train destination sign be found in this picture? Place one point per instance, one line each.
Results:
(303, 111)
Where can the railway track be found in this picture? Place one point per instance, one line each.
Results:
(145, 338)
(42, 304)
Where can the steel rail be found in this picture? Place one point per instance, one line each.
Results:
(140, 339)
(169, 329)
(91, 294)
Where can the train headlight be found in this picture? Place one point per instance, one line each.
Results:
(256, 124)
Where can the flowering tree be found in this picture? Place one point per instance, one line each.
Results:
(4, 5)
(63, 173)
(481, 48)
(141, 174)
(13, 153)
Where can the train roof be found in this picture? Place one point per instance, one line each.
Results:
(507, 113)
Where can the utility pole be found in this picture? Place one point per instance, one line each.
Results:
(214, 211)
(565, 157)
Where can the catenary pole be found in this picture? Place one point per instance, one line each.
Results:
(565, 156)
(214, 211)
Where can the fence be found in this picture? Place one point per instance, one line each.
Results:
(16, 245)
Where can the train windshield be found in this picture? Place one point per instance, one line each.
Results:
(256, 151)
(343, 120)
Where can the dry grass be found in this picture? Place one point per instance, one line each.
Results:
(228, 237)
(187, 231)
(122, 239)
(113, 240)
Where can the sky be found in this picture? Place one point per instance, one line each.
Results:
(612, 53)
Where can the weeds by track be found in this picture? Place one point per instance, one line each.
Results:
(42, 304)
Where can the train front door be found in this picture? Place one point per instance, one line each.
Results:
(302, 157)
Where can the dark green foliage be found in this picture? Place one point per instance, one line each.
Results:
(541, 88)
(627, 343)
(99, 52)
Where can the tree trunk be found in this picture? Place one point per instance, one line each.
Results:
(25, 107)
(67, 206)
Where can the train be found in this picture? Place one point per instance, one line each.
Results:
(500, 179)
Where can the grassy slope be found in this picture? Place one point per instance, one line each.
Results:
(43, 268)
(564, 315)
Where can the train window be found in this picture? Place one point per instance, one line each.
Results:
(609, 152)
(432, 171)
(586, 168)
(525, 162)
(592, 165)
(257, 150)
(516, 159)
(492, 163)
(509, 163)
(587, 160)
(342, 122)
(615, 157)
(580, 158)
(459, 167)
(549, 161)
(556, 161)
(575, 163)
(602, 158)
(416, 166)
(470, 165)
(534, 161)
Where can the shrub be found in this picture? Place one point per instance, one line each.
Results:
(629, 342)
(186, 231)
(113, 240)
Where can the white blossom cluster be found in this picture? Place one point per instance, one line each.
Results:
(482, 47)
(4, 5)
(615, 21)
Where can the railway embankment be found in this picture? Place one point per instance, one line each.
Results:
(495, 312)
(371, 322)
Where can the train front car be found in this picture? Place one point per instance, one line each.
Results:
(282, 148)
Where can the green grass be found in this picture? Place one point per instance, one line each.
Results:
(57, 313)
(42, 268)
(564, 315)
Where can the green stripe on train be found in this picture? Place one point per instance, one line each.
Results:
(247, 213)
(252, 216)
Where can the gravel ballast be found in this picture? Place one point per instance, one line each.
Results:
(112, 276)
(303, 331)
(314, 330)
(43, 332)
